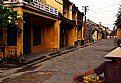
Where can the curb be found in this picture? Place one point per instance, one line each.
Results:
(51, 55)
(42, 58)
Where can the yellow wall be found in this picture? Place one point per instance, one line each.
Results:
(37, 21)
(99, 36)
(57, 34)
(79, 33)
(74, 16)
(76, 33)
(118, 34)
(50, 27)
(70, 12)
(20, 35)
(83, 31)
(95, 34)
(50, 30)
(71, 37)
(56, 4)
(52, 37)
(49, 34)
(66, 11)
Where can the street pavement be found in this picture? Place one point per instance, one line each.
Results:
(61, 69)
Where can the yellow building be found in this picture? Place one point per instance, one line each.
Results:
(67, 30)
(40, 28)
(118, 33)
(71, 25)
(80, 28)
(95, 35)
(96, 31)
(118, 29)
(48, 25)
(100, 32)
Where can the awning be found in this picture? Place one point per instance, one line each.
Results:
(66, 20)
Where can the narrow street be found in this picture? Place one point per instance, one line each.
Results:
(61, 69)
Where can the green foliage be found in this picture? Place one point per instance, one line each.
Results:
(119, 15)
(107, 34)
(8, 17)
(110, 34)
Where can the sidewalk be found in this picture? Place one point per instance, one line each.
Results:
(42, 56)
(36, 58)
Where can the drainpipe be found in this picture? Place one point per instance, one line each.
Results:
(58, 2)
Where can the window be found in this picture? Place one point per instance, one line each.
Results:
(36, 35)
(11, 36)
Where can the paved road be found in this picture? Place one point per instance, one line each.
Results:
(61, 69)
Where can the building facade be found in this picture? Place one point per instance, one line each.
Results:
(48, 25)
(92, 31)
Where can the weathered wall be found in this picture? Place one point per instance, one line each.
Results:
(80, 33)
(55, 3)
(95, 34)
(20, 35)
(71, 36)
(119, 34)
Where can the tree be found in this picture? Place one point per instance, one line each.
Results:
(9, 17)
(118, 21)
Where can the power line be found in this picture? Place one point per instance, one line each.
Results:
(100, 12)
(107, 6)
(78, 1)
(101, 16)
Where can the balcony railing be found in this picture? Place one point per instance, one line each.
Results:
(36, 4)
(10, 51)
(45, 7)
(10, 1)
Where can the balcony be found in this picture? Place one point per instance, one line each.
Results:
(10, 1)
(38, 4)
(66, 20)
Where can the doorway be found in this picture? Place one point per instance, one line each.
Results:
(27, 38)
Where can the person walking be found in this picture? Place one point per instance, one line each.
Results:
(111, 69)
(94, 38)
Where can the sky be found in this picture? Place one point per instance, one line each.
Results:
(103, 11)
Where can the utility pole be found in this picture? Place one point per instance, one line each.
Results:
(85, 10)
